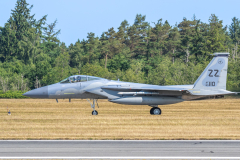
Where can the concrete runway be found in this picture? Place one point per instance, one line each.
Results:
(186, 149)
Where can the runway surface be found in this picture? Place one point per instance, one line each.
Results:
(120, 149)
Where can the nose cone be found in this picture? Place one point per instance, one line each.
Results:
(38, 93)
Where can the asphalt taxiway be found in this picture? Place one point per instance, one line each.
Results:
(186, 149)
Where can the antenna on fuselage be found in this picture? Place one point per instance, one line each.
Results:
(57, 100)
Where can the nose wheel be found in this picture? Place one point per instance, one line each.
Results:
(94, 112)
(155, 111)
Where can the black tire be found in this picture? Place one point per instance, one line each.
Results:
(151, 111)
(156, 111)
(95, 112)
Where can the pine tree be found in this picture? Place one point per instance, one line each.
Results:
(216, 36)
(234, 30)
(186, 30)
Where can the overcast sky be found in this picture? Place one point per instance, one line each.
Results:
(76, 18)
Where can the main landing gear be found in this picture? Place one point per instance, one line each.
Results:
(94, 112)
(155, 110)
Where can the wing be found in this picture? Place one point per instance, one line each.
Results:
(148, 89)
(164, 90)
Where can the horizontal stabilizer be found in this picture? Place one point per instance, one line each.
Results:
(204, 92)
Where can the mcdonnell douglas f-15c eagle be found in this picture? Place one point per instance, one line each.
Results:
(212, 82)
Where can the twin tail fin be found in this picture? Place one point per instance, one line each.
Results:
(213, 79)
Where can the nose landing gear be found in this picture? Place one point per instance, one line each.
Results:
(94, 112)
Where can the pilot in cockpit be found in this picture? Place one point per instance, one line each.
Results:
(78, 78)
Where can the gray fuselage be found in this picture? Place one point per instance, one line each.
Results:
(124, 92)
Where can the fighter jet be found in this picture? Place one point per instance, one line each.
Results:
(211, 83)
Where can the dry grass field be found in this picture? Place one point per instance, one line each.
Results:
(46, 119)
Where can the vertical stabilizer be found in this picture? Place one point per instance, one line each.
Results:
(214, 77)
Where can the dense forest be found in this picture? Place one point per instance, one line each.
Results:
(32, 55)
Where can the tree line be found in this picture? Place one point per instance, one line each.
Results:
(32, 55)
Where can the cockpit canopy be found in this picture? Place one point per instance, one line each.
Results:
(79, 78)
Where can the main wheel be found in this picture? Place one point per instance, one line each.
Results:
(94, 112)
(151, 111)
(155, 111)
